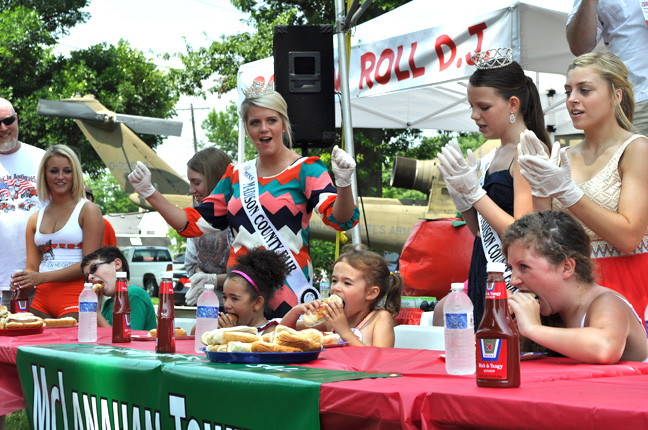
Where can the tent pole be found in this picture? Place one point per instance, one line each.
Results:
(340, 18)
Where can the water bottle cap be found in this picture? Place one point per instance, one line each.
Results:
(209, 287)
(121, 274)
(87, 285)
(496, 267)
(457, 286)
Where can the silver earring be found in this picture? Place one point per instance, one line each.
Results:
(512, 118)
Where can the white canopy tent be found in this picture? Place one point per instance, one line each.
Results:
(409, 68)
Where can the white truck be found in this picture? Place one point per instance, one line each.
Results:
(146, 264)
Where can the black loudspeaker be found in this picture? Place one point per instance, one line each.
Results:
(304, 76)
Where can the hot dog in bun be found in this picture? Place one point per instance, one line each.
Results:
(312, 320)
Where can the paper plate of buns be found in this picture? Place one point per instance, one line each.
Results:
(244, 345)
(20, 324)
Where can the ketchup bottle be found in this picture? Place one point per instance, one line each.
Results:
(165, 338)
(121, 311)
(498, 340)
(19, 301)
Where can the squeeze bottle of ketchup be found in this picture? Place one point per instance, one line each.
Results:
(165, 338)
(121, 327)
(19, 301)
(498, 340)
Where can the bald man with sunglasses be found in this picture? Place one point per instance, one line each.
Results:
(18, 196)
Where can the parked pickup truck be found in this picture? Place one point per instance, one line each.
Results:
(146, 264)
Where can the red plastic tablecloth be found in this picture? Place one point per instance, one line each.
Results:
(555, 392)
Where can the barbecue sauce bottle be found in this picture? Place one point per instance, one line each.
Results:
(165, 337)
(121, 327)
(498, 340)
(19, 300)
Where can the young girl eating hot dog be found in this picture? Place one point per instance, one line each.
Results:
(249, 287)
(362, 280)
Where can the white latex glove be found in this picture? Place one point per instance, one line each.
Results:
(343, 167)
(462, 177)
(548, 179)
(198, 282)
(531, 145)
(461, 204)
(451, 160)
(140, 178)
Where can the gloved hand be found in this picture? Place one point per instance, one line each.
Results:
(140, 178)
(548, 179)
(343, 167)
(198, 282)
(531, 145)
(462, 177)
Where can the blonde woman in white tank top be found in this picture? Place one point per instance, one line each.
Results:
(59, 235)
(602, 180)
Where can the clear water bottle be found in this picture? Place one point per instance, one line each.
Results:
(206, 314)
(459, 332)
(325, 287)
(87, 314)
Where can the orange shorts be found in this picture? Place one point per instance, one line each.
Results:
(58, 298)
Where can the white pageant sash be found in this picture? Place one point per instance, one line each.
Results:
(491, 242)
(269, 235)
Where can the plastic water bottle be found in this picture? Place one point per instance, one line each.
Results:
(459, 332)
(325, 287)
(87, 314)
(206, 314)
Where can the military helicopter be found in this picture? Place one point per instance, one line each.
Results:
(114, 138)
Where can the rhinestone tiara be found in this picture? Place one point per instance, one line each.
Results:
(258, 88)
(493, 58)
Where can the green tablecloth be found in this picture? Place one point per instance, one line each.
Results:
(99, 386)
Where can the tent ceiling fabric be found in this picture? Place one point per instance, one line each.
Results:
(424, 80)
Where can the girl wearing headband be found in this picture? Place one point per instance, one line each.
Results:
(249, 287)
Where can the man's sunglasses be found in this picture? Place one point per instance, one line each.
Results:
(8, 120)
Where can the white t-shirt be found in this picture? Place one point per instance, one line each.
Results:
(622, 26)
(18, 200)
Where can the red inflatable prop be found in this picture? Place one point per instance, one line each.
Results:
(436, 254)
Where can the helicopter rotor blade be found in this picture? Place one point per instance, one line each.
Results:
(148, 125)
(68, 110)
(81, 111)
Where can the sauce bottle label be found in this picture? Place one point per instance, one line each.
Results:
(22, 306)
(126, 326)
(166, 288)
(496, 290)
(492, 360)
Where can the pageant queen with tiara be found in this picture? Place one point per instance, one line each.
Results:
(268, 201)
(491, 193)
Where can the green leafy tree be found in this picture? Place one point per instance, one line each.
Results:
(109, 196)
(122, 78)
(222, 131)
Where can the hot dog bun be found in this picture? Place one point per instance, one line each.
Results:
(217, 336)
(23, 320)
(261, 346)
(302, 343)
(178, 332)
(312, 320)
(60, 322)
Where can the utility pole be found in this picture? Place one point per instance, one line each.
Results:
(193, 127)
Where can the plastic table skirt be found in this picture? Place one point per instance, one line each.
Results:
(554, 393)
